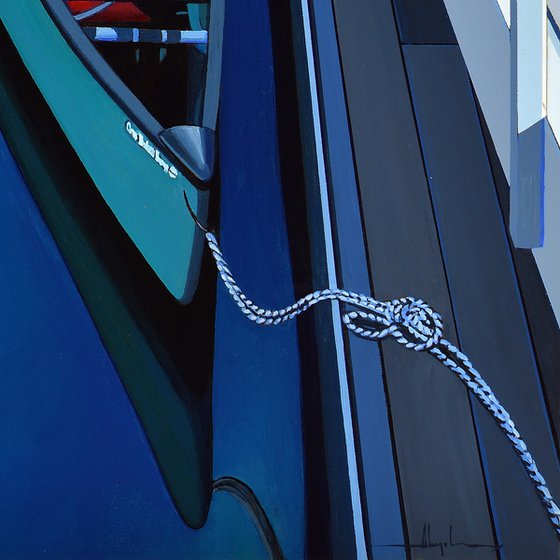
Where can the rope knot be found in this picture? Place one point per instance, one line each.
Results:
(416, 325)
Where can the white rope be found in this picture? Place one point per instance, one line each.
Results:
(415, 325)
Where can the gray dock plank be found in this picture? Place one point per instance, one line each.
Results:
(440, 472)
(490, 319)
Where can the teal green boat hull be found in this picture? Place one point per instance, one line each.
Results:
(141, 186)
(175, 418)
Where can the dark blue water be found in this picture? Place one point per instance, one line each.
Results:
(77, 477)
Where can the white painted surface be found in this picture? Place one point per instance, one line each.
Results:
(531, 62)
(506, 10)
(553, 83)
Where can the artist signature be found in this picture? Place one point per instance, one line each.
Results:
(427, 542)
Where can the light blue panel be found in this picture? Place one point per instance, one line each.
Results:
(527, 192)
(530, 31)
(553, 79)
(484, 39)
(548, 256)
(527, 174)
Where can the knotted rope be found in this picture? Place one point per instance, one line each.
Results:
(415, 325)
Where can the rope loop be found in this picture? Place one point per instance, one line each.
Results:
(418, 326)
(373, 326)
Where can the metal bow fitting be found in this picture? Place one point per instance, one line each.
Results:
(414, 325)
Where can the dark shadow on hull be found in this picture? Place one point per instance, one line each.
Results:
(162, 350)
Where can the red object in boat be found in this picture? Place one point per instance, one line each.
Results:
(119, 12)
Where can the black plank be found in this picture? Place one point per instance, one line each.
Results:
(424, 22)
(440, 471)
(490, 318)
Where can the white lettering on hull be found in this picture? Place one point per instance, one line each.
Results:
(153, 152)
